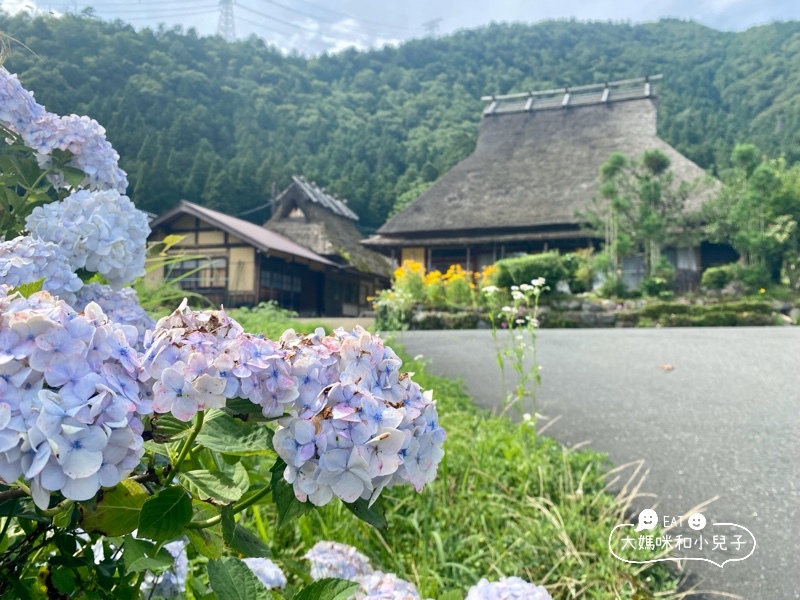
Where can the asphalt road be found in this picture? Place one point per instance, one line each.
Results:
(725, 421)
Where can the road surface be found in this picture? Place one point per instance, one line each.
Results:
(713, 412)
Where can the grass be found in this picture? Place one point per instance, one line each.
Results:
(271, 320)
(505, 503)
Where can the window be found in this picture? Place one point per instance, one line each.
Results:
(201, 274)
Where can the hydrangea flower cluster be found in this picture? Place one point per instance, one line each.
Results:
(358, 425)
(119, 306)
(385, 586)
(508, 588)
(102, 232)
(195, 360)
(68, 398)
(268, 572)
(25, 260)
(45, 132)
(332, 559)
(340, 561)
(171, 583)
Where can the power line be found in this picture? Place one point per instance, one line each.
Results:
(276, 19)
(156, 10)
(170, 16)
(364, 21)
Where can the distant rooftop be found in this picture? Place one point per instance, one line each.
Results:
(569, 96)
(321, 197)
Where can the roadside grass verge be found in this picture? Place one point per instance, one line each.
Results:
(506, 502)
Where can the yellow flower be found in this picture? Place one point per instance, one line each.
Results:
(763, 291)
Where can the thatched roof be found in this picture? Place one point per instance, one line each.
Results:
(537, 168)
(324, 225)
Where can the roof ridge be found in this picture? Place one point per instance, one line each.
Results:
(572, 96)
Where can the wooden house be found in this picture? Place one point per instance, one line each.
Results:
(242, 263)
(535, 167)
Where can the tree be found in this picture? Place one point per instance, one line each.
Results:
(757, 211)
(640, 208)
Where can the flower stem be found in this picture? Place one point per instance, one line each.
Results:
(237, 508)
(187, 445)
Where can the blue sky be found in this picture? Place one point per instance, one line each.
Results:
(312, 26)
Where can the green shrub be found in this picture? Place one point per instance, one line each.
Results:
(523, 269)
(716, 278)
(753, 277)
(657, 309)
(580, 273)
(613, 287)
(655, 286)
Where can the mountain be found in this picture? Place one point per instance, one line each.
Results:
(220, 124)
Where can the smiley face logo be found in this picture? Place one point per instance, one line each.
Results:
(648, 519)
(697, 521)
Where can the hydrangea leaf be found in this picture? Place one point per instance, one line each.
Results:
(28, 289)
(240, 539)
(117, 510)
(452, 595)
(289, 507)
(223, 433)
(327, 589)
(166, 428)
(231, 579)
(164, 516)
(374, 515)
(141, 555)
(215, 486)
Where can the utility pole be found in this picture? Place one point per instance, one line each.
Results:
(227, 26)
(431, 27)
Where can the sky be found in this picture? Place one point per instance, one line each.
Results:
(315, 26)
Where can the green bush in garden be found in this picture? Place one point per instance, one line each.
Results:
(523, 269)
(716, 278)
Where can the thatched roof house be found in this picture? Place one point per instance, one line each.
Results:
(324, 224)
(534, 168)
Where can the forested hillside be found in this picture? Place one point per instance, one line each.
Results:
(219, 123)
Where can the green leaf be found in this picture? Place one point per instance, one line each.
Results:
(215, 486)
(452, 595)
(223, 433)
(117, 510)
(231, 579)
(74, 177)
(166, 428)
(240, 539)
(375, 515)
(207, 542)
(327, 589)
(141, 555)
(164, 516)
(28, 289)
(289, 507)
(63, 579)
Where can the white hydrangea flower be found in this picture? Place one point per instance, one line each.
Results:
(385, 586)
(26, 260)
(45, 132)
(340, 561)
(507, 588)
(102, 232)
(194, 360)
(268, 572)
(68, 398)
(121, 307)
(358, 425)
(171, 583)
